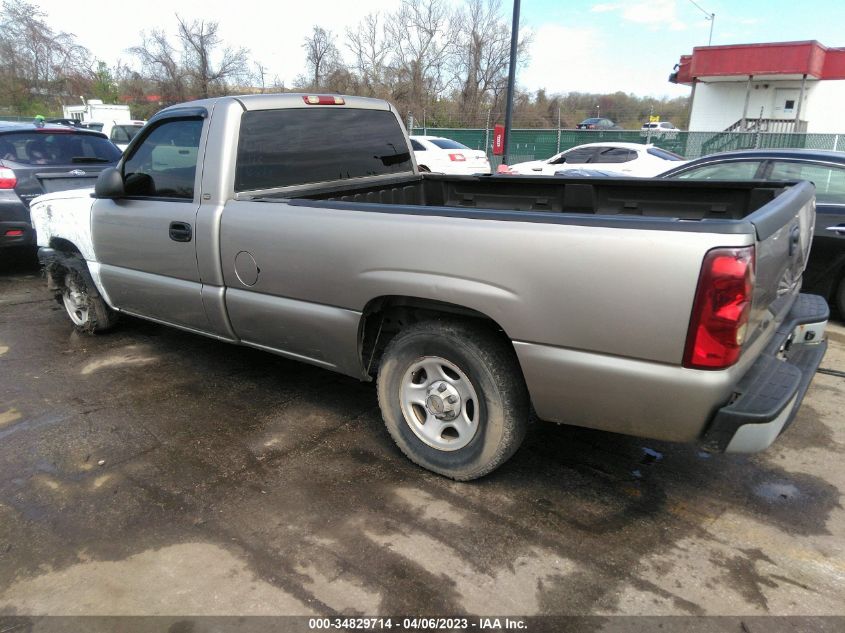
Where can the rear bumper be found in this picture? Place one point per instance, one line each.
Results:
(770, 394)
(15, 226)
(16, 234)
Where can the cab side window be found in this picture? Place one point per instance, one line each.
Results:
(164, 164)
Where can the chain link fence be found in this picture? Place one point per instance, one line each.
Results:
(538, 144)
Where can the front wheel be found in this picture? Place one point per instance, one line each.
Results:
(84, 305)
(453, 398)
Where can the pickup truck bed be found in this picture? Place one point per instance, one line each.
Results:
(606, 197)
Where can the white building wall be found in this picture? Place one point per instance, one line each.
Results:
(718, 105)
(824, 110)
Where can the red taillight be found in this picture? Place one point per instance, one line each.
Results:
(8, 180)
(14, 233)
(323, 100)
(721, 309)
(457, 157)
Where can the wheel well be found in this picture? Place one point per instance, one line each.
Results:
(384, 317)
(56, 266)
(65, 246)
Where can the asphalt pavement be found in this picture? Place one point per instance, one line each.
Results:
(149, 471)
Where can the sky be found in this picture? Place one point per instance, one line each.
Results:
(578, 45)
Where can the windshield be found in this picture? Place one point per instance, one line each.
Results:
(445, 143)
(60, 148)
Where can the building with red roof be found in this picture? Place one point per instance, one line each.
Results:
(775, 87)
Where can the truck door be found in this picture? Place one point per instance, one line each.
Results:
(144, 240)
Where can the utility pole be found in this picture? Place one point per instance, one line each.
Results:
(650, 114)
(487, 134)
(558, 130)
(511, 82)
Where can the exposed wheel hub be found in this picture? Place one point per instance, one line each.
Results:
(443, 401)
(440, 403)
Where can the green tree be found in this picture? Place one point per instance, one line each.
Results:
(104, 85)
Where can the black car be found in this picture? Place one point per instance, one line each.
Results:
(38, 158)
(597, 123)
(825, 272)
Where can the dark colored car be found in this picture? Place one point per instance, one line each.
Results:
(597, 123)
(38, 158)
(825, 273)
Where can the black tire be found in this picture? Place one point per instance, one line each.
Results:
(83, 304)
(489, 362)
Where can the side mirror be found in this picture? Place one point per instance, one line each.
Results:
(109, 184)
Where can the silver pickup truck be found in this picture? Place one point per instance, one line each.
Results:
(299, 224)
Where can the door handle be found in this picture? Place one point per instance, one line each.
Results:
(180, 232)
(838, 229)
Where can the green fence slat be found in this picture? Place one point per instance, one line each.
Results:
(535, 144)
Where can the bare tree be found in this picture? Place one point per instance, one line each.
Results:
(38, 64)
(321, 55)
(370, 51)
(419, 33)
(261, 76)
(199, 41)
(482, 55)
(160, 61)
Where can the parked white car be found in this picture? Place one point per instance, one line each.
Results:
(659, 129)
(445, 156)
(122, 132)
(626, 159)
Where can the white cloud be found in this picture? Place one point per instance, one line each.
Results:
(604, 8)
(568, 59)
(654, 14)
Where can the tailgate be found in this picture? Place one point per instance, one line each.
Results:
(784, 232)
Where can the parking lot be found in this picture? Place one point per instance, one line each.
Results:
(150, 471)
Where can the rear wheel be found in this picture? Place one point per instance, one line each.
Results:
(453, 397)
(84, 305)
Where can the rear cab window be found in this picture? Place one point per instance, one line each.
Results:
(298, 146)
